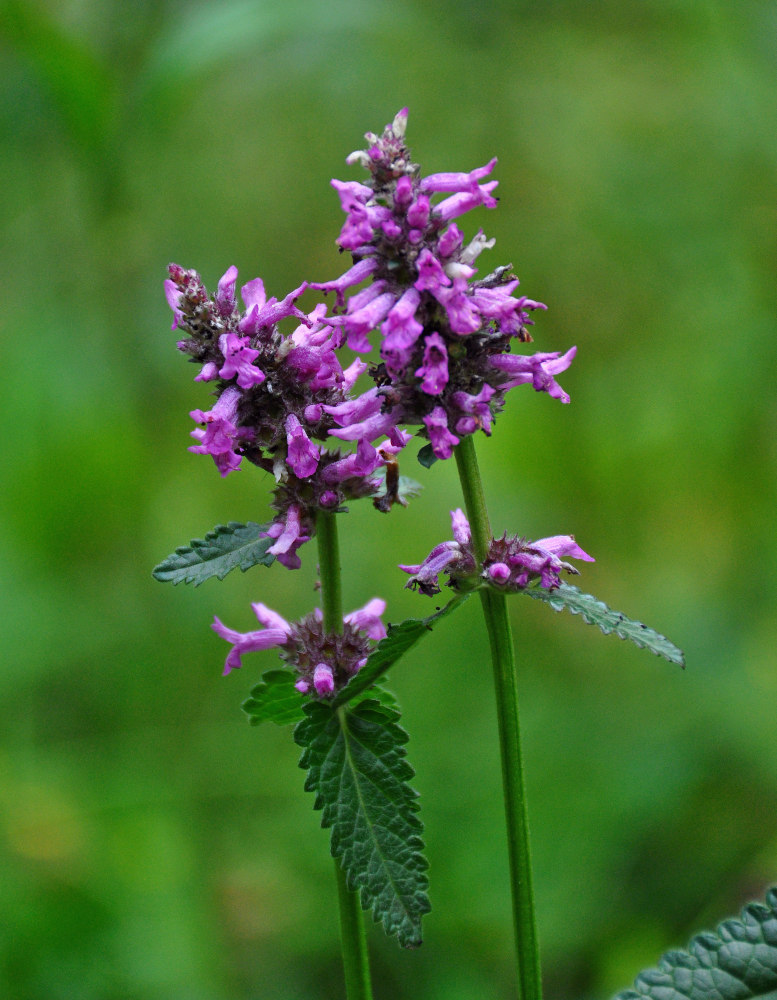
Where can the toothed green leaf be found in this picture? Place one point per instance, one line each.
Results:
(355, 758)
(596, 612)
(274, 699)
(736, 962)
(227, 547)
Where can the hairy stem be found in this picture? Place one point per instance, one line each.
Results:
(503, 661)
(353, 940)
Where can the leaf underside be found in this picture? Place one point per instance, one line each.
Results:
(356, 765)
(227, 547)
(736, 962)
(397, 642)
(596, 612)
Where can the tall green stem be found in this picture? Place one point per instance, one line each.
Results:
(503, 660)
(353, 940)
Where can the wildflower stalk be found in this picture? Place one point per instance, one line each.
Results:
(503, 660)
(353, 939)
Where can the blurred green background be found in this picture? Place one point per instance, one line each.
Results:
(152, 845)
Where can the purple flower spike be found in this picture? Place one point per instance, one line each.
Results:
(538, 369)
(434, 370)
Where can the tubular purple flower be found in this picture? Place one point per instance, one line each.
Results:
(538, 369)
(353, 276)
(238, 361)
(173, 296)
(361, 463)
(431, 276)
(358, 324)
(465, 201)
(290, 535)
(225, 296)
(367, 619)
(477, 409)
(275, 633)
(440, 438)
(434, 370)
(220, 434)
(455, 182)
(303, 455)
(323, 680)
(528, 560)
(263, 314)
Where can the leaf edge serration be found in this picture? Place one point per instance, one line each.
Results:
(656, 983)
(617, 623)
(397, 916)
(189, 563)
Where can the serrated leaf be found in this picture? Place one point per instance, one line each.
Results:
(736, 962)
(426, 456)
(356, 765)
(397, 642)
(596, 612)
(227, 547)
(274, 699)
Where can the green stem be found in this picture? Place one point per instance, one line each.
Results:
(353, 940)
(503, 660)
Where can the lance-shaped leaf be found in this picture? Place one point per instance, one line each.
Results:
(227, 547)
(355, 758)
(736, 962)
(397, 642)
(274, 699)
(596, 612)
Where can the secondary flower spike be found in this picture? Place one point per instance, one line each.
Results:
(325, 662)
(279, 398)
(511, 563)
(446, 335)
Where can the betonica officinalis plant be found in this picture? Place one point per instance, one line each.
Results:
(446, 340)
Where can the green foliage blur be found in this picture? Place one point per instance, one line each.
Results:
(153, 846)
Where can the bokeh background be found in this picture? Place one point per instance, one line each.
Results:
(152, 845)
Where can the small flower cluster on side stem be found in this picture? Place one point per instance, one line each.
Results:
(511, 563)
(278, 399)
(324, 661)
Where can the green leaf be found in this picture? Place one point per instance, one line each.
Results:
(227, 547)
(736, 962)
(275, 699)
(397, 642)
(356, 766)
(596, 612)
(426, 456)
